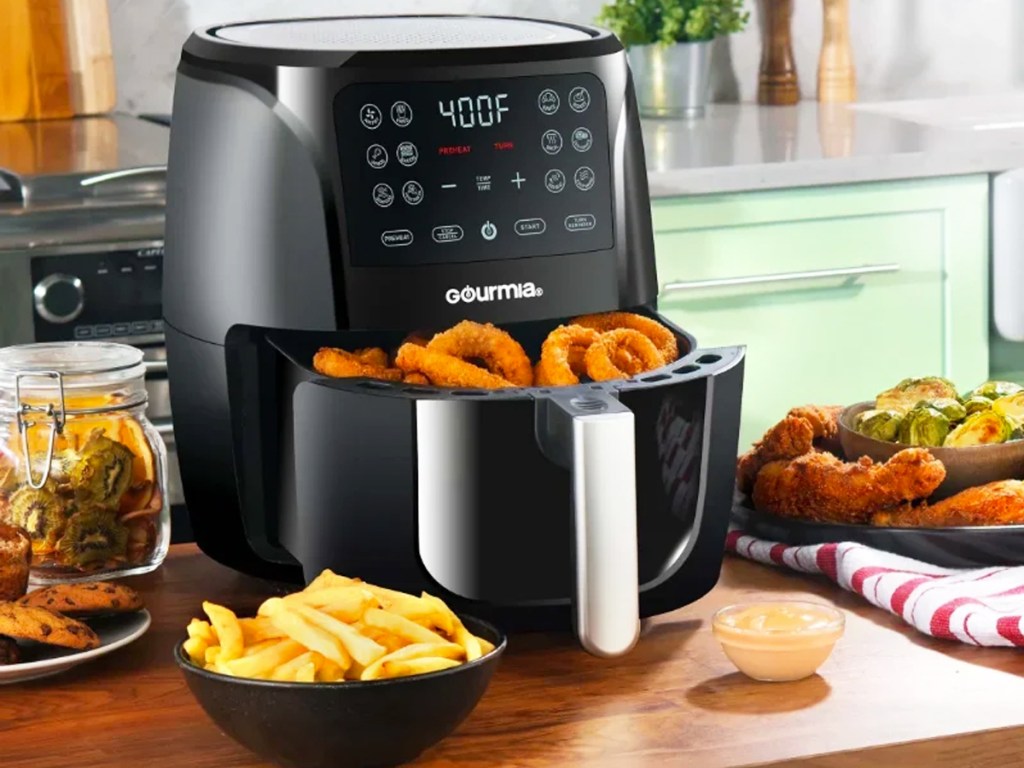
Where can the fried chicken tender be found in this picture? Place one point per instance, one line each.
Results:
(790, 438)
(998, 503)
(803, 429)
(821, 487)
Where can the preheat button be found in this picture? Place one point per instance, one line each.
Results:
(376, 156)
(370, 116)
(526, 227)
(548, 102)
(579, 99)
(580, 222)
(551, 142)
(383, 195)
(447, 233)
(554, 180)
(396, 238)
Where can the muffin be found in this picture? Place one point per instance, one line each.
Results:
(15, 556)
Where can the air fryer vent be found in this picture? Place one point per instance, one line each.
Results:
(393, 33)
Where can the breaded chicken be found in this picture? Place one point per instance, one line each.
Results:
(821, 487)
(794, 436)
(998, 503)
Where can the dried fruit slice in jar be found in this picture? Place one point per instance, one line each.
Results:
(143, 474)
(103, 471)
(92, 537)
(42, 513)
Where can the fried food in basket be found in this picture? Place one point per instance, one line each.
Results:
(624, 347)
(998, 503)
(562, 355)
(803, 429)
(500, 353)
(338, 363)
(445, 370)
(823, 488)
(633, 344)
(662, 337)
(335, 630)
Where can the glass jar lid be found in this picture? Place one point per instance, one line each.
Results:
(81, 364)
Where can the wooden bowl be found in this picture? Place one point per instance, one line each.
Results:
(966, 466)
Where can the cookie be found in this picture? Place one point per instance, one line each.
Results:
(9, 651)
(85, 599)
(26, 622)
(15, 554)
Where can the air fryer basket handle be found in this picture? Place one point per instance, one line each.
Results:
(593, 437)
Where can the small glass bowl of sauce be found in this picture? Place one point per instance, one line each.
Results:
(779, 640)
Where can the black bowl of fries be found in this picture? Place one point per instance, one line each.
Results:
(342, 675)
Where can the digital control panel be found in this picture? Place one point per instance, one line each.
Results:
(475, 170)
(98, 295)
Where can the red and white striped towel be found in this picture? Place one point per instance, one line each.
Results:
(979, 606)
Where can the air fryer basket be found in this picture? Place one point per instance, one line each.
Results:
(488, 496)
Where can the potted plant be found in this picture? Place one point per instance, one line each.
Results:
(669, 47)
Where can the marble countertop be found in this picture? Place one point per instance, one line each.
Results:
(741, 147)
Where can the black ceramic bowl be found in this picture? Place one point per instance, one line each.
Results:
(345, 725)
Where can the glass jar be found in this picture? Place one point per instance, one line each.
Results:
(81, 468)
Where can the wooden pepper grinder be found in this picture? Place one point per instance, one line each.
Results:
(837, 80)
(777, 82)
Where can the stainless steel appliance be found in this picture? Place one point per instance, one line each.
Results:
(81, 241)
(343, 181)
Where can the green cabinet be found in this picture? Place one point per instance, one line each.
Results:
(837, 292)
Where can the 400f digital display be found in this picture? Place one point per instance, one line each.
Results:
(471, 111)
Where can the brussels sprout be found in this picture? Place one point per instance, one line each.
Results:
(1011, 408)
(981, 428)
(909, 392)
(993, 390)
(948, 407)
(881, 425)
(923, 426)
(976, 403)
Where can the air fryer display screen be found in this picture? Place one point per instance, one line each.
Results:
(474, 170)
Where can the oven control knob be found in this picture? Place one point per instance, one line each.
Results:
(59, 298)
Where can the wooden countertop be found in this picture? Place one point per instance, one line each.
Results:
(886, 696)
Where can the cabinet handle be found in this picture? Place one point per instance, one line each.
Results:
(680, 286)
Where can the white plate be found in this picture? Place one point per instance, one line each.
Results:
(43, 660)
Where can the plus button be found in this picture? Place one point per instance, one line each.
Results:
(518, 181)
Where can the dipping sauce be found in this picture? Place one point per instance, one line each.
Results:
(779, 640)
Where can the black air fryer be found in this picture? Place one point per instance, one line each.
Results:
(343, 182)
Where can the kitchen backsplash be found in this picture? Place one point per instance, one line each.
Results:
(902, 48)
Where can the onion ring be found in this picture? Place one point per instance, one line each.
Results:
(445, 370)
(341, 364)
(601, 356)
(662, 337)
(500, 353)
(561, 355)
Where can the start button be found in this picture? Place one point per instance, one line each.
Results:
(530, 226)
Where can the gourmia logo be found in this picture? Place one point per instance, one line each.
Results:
(469, 294)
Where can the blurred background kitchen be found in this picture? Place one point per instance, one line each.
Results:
(848, 203)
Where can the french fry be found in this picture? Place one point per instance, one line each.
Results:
(405, 628)
(411, 607)
(252, 650)
(259, 629)
(414, 651)
(211, 654)
(264, 662)
(307, 674)
(467, 640)
(312, 637)
(416, 666)
(196, 647)
(344, 603)
(329, 578)
(270, 606)
(197, 628)
(289, 669)
(361, 648)
(329, 672)
(228, 630)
